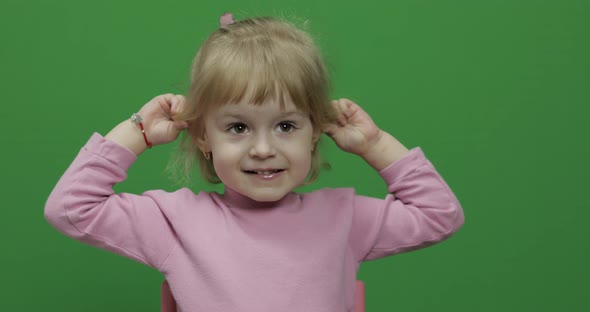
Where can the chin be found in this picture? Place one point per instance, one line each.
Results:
(267, 197)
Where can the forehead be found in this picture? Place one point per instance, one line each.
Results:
(269, 108)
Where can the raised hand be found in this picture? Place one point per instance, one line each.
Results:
(158, 118)
(354, 132)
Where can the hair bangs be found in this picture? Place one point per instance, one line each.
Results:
(257, 72)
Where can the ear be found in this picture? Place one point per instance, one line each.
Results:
(203, 143)
(316, 135)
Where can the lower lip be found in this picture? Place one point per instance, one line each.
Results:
(267, 177)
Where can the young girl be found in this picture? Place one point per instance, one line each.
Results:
(257, 106)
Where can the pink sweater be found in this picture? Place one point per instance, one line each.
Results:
(224, 252)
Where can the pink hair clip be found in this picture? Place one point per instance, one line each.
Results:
(226, 19)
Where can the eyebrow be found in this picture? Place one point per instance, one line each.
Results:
(282, 115)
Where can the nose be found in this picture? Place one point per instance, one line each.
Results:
(263, 146)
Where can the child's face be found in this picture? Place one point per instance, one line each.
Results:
(244, 138)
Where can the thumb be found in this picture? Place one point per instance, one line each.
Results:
(180, 125)
(330, 129)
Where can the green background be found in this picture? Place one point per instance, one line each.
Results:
(496, 93)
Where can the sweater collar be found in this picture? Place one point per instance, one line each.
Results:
(234, 199)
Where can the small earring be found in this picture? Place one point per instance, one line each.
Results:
(206, 155)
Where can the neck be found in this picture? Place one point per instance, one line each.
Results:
(235, 199)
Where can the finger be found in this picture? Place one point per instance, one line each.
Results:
(165, 101)
(341, 117)
(168, 99)
(182, 105)
(177, 104)
(180, 125)
(344, 107)
(330, 129)
(174, 105)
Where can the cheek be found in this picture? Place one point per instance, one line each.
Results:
(299, 148)
(225, 167)
(225, 157)
(300, 155)
(224, 154)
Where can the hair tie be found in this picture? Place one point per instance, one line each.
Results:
(226, 19)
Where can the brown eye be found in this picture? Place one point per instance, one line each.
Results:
(287, 126)
(237, 128)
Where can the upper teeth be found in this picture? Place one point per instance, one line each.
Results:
(266, 172)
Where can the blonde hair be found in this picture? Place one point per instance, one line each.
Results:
(259, 58)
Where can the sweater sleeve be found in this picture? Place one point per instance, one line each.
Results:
(419, 211)
(84, 206)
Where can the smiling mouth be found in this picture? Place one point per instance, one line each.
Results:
(266, 172)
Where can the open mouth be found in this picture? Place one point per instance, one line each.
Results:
(267, 172)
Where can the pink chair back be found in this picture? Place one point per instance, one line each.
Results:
(169, 304)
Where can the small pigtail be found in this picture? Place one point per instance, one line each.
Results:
(225, 20)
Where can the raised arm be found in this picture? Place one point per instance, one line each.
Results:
(84, 206)
(420, 210)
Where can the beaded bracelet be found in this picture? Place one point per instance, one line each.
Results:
(137, 120)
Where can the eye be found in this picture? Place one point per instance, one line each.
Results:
(237, 128)
(287, 126)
